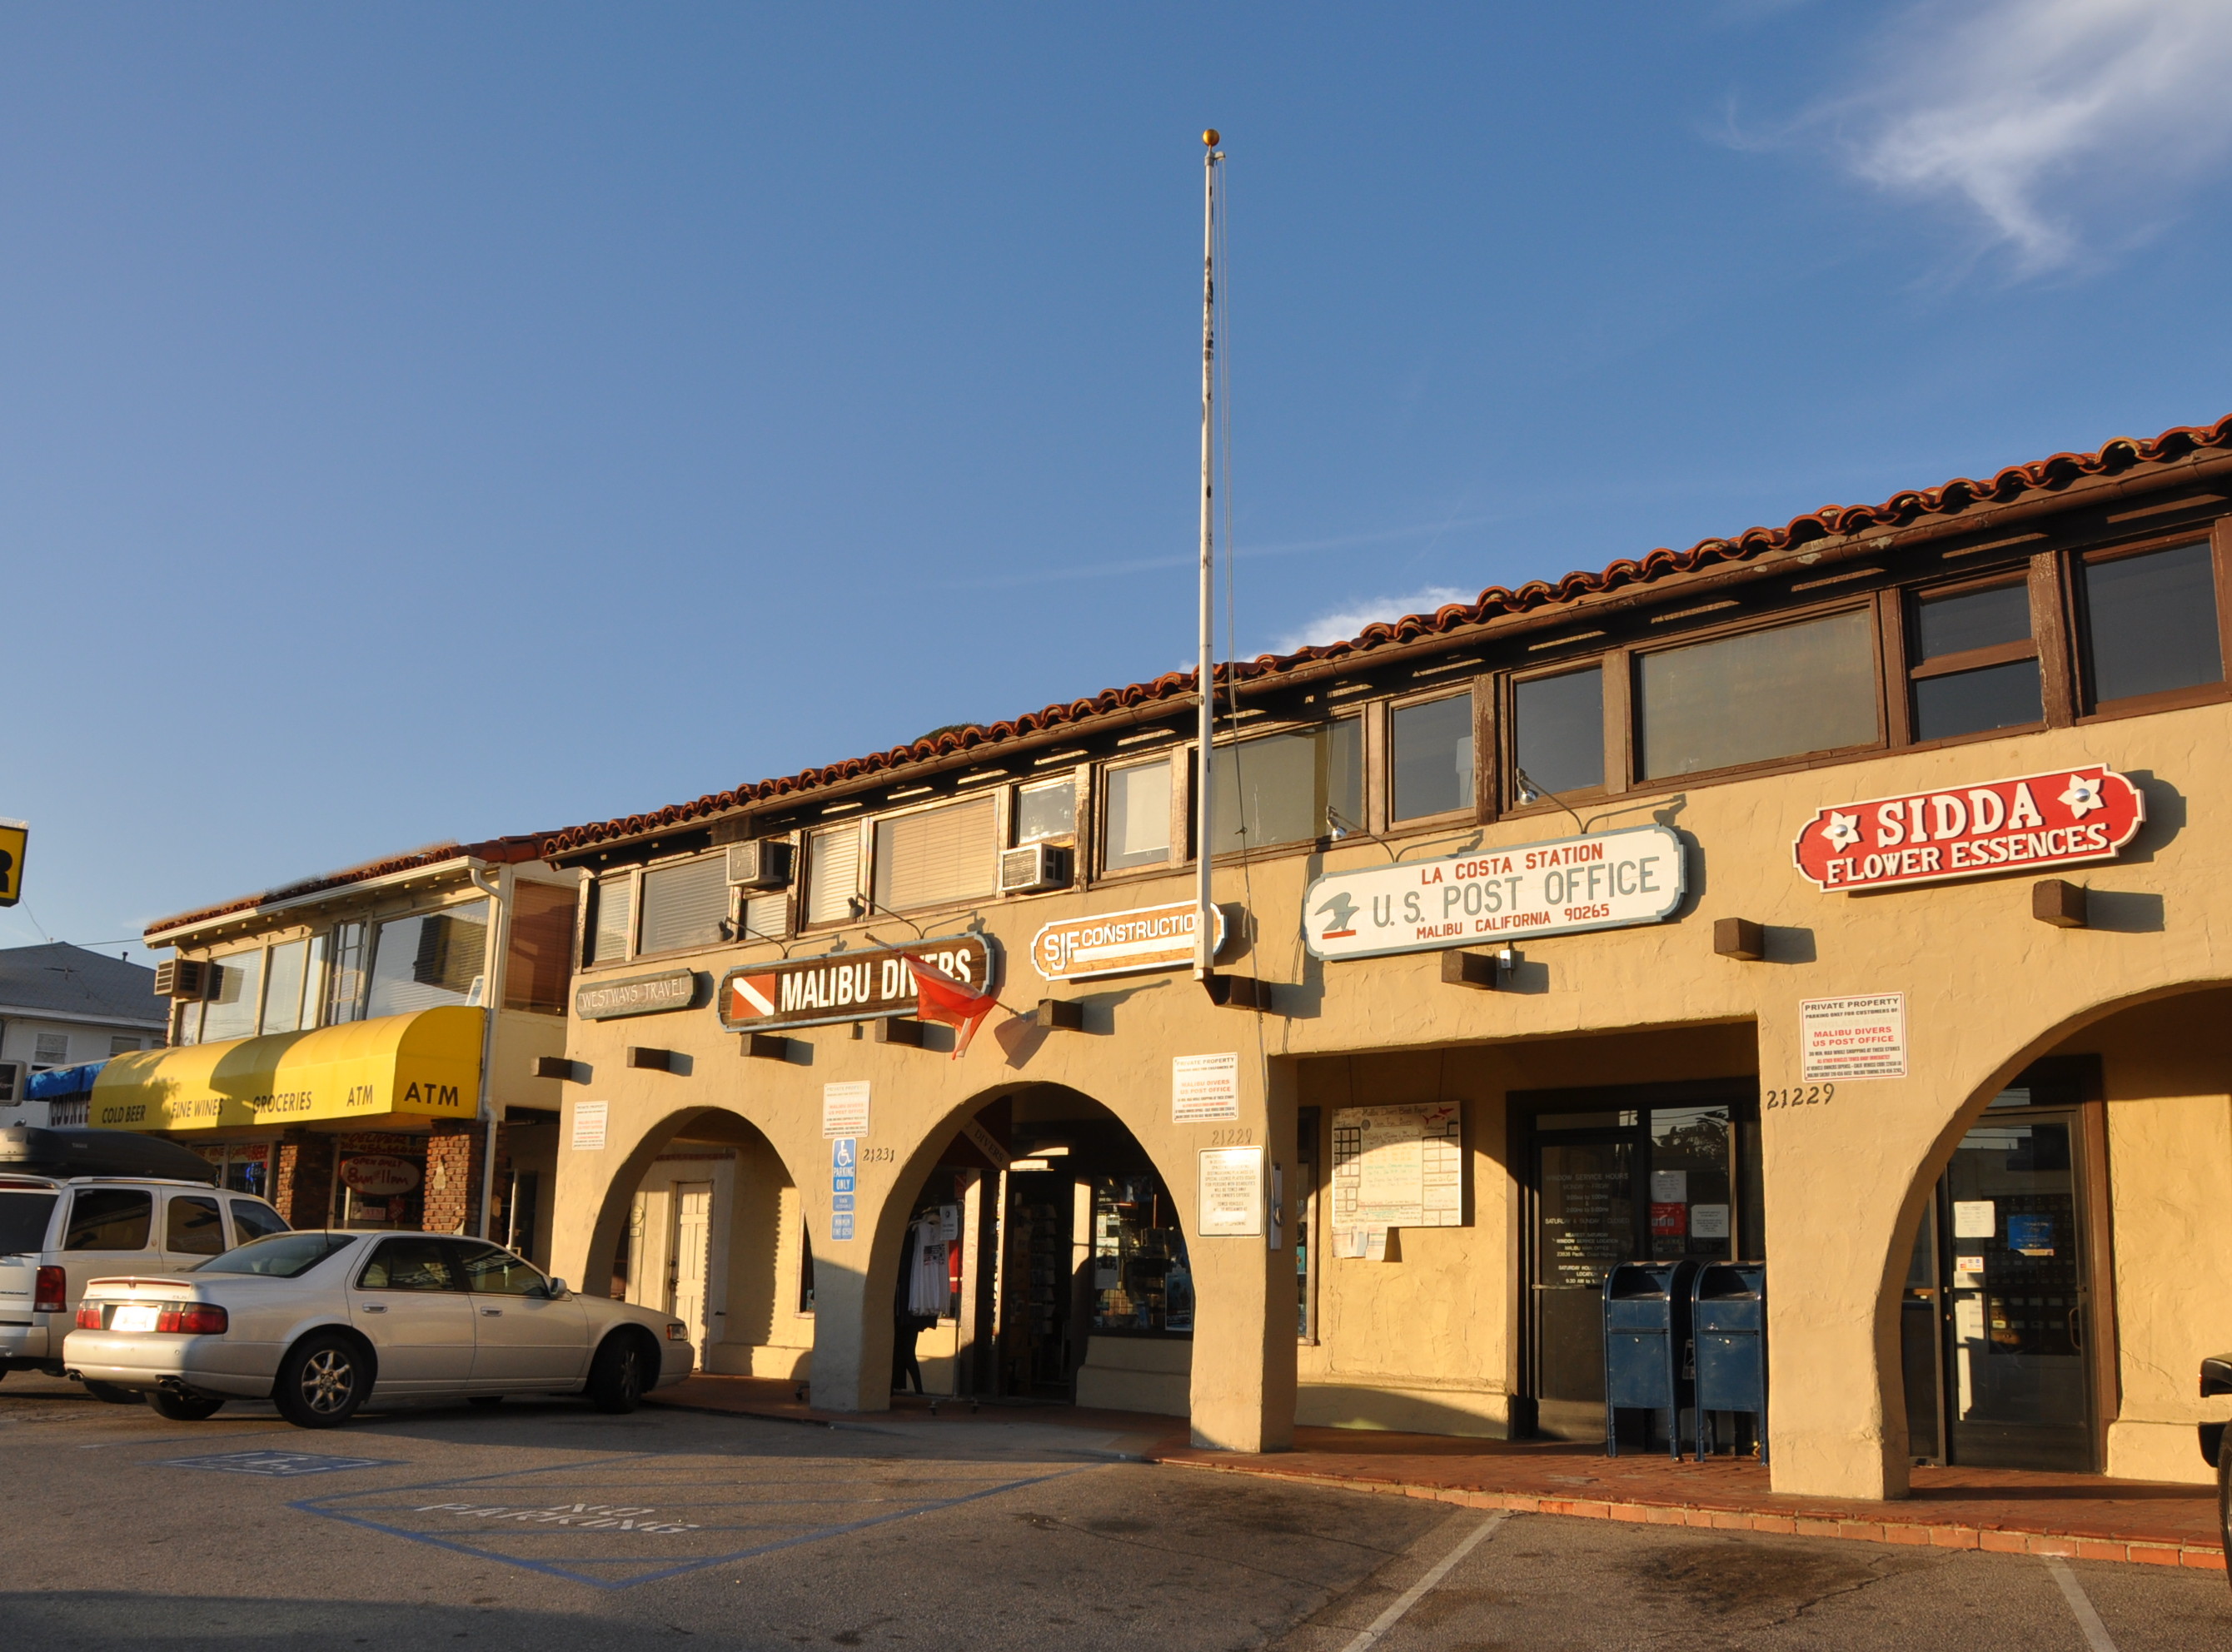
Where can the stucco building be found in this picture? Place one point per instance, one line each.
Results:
(1847, 894)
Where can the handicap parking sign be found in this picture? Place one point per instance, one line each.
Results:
(843, 1152)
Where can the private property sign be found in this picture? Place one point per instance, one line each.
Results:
(847, 986)
(2064, 817)
(1604, 881)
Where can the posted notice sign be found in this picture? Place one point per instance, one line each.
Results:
(1853, 1038)
(589, 1118)
(1204, 1088)
(845, 1108)
(1604, 881)
(1231, 1192)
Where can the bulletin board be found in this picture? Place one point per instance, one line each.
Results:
(1396, 1167)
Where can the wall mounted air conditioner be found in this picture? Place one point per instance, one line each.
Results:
(764, 863)
(190, 980)
(1033, 867)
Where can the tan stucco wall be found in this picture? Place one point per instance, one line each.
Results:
(1988, 987)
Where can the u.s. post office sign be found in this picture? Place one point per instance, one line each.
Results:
(1606, 880)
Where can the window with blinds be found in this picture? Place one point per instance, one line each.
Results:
(832, 873)
(685, 905)
(429, 959)
(939, 856)
(766, 917)
(608, 937)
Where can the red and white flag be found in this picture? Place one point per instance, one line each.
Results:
(939, 997)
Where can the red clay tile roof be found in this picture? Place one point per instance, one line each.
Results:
(1900, 510)
(504, 850)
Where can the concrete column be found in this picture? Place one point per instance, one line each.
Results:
(1837, 1177)
(1242, 1395)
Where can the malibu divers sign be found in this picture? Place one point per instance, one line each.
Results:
(1606, 880)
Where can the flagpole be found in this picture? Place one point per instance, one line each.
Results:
(1204, 848)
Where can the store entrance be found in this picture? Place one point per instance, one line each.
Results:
(1656, 1173)
(1996, 1315)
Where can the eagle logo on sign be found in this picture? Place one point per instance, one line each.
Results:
(1341, 913)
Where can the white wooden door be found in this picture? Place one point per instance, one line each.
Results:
(693, 1221)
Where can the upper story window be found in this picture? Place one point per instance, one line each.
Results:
(1431, 757)
(344, 974)
(1557, 734)
(230, 1011)
(1975, 664)
(832, 873)
(1760, 695)
(429, 959)
(1135, 827)
(611, 908)
(291, 985)
(2151, 623)
(936, 857)
(539, 946)
(685, 905)
(50, 1050)
(1291, 788)
(1046, 813)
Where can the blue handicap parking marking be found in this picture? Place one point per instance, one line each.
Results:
(277, 1464)
(627, 1520)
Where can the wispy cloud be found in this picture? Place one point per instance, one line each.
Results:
(2037, 117)
(1341, 624)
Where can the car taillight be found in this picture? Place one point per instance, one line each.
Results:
(51, 1292)
(192, 1318)
(88, 1316)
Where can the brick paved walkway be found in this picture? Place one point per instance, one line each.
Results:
(2085, 1516)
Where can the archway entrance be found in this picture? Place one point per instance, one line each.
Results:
(1045, 1261)
(709, 1230)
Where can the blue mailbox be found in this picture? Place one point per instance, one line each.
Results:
(1646, 1308)
(1729, 1319)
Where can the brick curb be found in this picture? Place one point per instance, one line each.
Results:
(1994, 1540)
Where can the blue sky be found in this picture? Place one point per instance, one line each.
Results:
(445, 420)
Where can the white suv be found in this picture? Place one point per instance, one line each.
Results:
(58, 1232)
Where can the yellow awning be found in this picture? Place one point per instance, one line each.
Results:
(427, 1063)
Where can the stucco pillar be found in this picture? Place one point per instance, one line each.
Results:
(1836, 1177)
(1242, 1396)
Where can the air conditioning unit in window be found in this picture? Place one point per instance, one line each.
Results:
(764, 863)
(187, 979)
(1033, 867)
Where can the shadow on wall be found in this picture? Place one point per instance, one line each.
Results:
(1380, 1422)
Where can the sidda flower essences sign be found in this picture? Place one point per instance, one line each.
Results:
(2066, 817)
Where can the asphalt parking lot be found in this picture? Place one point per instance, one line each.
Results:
(547, 1525)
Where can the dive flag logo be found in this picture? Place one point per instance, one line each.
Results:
(755, 996)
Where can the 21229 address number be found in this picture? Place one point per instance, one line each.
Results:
(1798, 1095)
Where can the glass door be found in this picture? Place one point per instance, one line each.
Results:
(2013, 1286)
(1587, 1219)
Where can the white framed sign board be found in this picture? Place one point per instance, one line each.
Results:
(1231, 1192)
(589, 1120)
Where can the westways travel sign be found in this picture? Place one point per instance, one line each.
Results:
(1606, 880)
(2066, 817)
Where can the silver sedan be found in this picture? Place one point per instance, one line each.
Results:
(319, 1323)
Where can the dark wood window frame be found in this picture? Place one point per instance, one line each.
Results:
(2218, 536)
(1613, 668)
(1380, 766)
(2041, 577)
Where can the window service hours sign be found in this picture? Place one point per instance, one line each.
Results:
(1605, 881)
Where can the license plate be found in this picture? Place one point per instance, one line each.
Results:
(133, 1316)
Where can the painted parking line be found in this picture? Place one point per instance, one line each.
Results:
(619, 1522)
(278, 1465)
(1371, 1636)
(2080, 1608)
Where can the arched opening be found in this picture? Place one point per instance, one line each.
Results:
(2061, 1289)
(1041, 1258)
(704, 1222)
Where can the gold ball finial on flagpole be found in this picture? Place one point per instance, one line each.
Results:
(1212, 137)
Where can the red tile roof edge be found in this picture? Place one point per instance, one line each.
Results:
(1900, 510)
(500, 849)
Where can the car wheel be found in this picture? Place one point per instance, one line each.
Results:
(485, 1401)
(109, 1394)
(322, 1381)
(618, 1374)
(184, 1408)
(2224, 1498)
